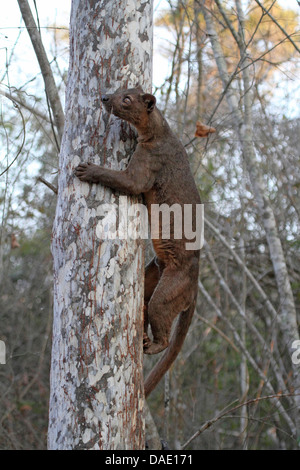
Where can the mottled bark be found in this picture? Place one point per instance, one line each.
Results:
(97, 392)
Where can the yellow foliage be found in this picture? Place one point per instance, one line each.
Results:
(267, 44)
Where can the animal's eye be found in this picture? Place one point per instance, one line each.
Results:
(127, 100)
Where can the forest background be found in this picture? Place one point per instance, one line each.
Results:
(237, 349)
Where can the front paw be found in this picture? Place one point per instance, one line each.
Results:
(87, 172)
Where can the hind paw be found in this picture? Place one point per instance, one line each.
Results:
(155, 348)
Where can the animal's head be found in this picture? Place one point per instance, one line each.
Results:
(132, 105)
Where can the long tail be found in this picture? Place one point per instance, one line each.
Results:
(172, 352)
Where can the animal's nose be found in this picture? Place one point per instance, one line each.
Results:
(104, 98)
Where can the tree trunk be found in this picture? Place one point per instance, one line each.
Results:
(97, 395)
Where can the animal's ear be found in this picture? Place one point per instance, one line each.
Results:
(150, 101)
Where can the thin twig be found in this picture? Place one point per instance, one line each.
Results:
(242, 265)
(25, 105)
(23, 141)
(288, 36)
(46, 183)
(214, 327)
(246, 353)
(228, 22)
(212, 421)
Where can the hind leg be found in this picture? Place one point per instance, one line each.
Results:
(152, 276)
(172, 295)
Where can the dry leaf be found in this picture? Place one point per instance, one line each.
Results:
(202, 130)
(13, 242)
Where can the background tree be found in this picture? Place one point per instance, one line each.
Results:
(242, 217)
(28, 151)
(233, 386)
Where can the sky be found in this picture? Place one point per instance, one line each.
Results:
(58, 12)
(54, 12)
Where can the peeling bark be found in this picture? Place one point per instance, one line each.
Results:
(97, 395)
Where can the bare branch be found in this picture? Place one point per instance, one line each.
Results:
(215, 328)
(244, 131)
(242, 265)
(211, 422)
(50, 86)
(46, 183)
(22, 143)
(245, 352)
(16, 99)
(288, 36)
(252, 61)
(228, 22)
(252, 328)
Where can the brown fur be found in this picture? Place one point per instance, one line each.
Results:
(159, 169)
